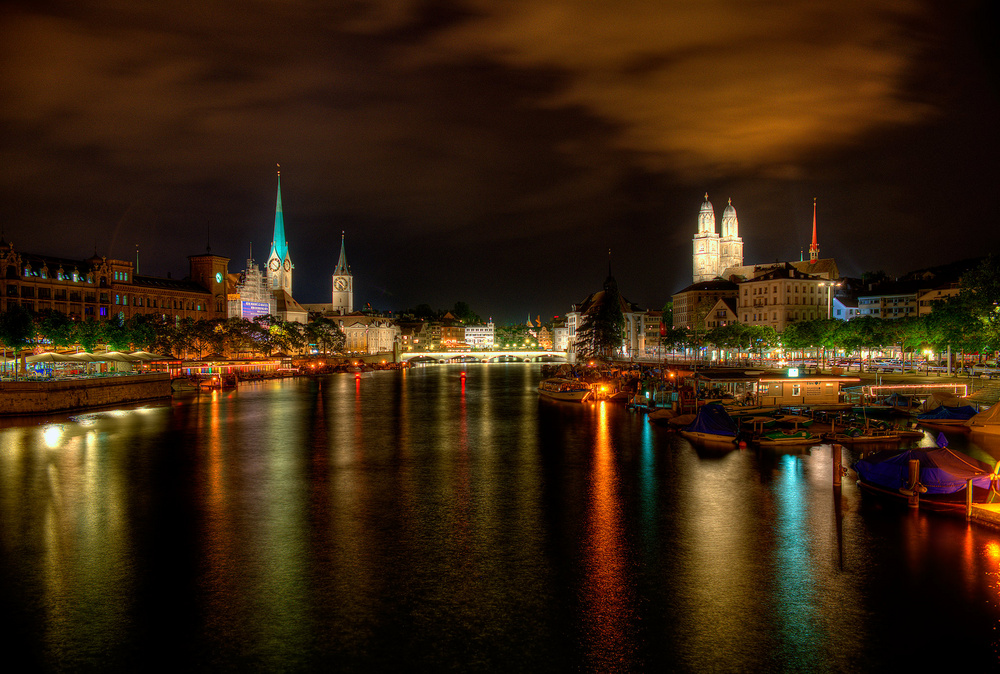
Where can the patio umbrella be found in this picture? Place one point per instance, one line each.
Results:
(84, 357)
(119, 357)
(50, 358)
(146, 355)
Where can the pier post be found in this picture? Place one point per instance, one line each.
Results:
(914, 479)
(968, 499)
(837, 465)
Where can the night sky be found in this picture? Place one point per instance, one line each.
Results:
(492, 152)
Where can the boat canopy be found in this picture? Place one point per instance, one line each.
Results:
(714, 419)
(945, 412)
(942, 470)
(990, 417)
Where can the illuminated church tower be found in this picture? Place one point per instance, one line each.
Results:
(731, 245)
(279, 263)
(814, 246)
(706, 245)
(343, 284)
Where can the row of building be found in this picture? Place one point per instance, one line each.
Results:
(725, 290)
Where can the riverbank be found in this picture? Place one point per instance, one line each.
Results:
(28, 397)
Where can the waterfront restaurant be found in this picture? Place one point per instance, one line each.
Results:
(784, 388)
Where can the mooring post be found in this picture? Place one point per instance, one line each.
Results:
(837, 466)
(968, 499)
(914, 479)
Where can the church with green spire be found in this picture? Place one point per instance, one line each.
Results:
(279, 262)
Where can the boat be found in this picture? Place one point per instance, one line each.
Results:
(944, 476)
(571, 390)
(712, 425)
(779, 437)
(986, 422)
(948, 417)
(857, 435)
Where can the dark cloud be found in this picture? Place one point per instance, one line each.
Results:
(493, 152)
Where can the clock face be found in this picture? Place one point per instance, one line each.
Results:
(218, 277)
(275, 265)
(340, 283)
(288, 265)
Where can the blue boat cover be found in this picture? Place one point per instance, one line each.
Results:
(899, 400)
(713, 418)
(943, 412)
(942, 471)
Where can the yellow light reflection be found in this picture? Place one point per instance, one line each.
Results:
(53, 435)
(605, 590)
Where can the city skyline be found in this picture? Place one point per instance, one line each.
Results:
(493, 155)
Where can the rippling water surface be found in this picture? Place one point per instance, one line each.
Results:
(420, 520)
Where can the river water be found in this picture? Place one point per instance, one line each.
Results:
(425, 521)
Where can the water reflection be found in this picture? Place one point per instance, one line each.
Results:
(606, 601)
(422, 520)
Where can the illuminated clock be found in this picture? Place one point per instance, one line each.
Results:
(340, 283)
(218, 277)
(275, 264)
(288, 265)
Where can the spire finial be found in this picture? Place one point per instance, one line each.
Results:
(279, 170)
(706, 196)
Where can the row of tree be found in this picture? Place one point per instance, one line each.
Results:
(21, 329)
(968, 322)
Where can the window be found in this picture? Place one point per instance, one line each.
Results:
(796, 390)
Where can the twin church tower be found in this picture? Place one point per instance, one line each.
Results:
(714, 254)
(280, 267)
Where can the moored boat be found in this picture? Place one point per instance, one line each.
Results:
(856, 435)
(712, 425)
(948, 417)
(942, 482)
(570, 390)
(986, 422)
(779, 437)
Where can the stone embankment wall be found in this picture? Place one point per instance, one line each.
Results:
(42, 397)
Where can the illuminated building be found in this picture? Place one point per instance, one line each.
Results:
(279, 262)
(480, 336)
(780, 295)
(251, 294)
(633, 338)
(693, 304)
(343, 284)
(279, 270)
(714, 254)
(100, 287)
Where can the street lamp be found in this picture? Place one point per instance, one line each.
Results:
(829, 297)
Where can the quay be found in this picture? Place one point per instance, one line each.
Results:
(27, 397)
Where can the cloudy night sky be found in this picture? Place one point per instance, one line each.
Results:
(492, 152)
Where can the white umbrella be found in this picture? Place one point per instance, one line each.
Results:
(50, 358)
(146, 355)
(119, 357)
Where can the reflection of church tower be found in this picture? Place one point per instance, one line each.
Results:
(279, 263)
(706, 244)
(731, 245)
(343, 284)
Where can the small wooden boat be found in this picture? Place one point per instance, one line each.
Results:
(949, 418)
(780, 437)
(857, 435)
(568, 390)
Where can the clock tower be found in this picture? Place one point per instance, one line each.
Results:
(343, 284)
(279, 263)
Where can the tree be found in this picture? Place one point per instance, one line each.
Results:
(58, 328)
(326, 335)
(17, 330)
(89, 334)
(601, 331)
(464, 313)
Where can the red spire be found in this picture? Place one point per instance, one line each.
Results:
(814, 246)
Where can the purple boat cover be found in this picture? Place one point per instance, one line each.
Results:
(942, 471)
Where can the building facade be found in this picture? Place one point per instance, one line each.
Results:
(480, 336)
(712, 254)
(782, 295)
(100, 287)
